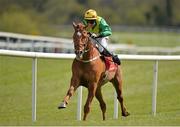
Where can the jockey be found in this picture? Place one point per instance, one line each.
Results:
(100, 32)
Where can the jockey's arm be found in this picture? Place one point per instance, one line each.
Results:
(105, 29)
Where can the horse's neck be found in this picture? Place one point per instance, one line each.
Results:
(91, 51)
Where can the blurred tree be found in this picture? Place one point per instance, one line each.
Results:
(19, 22)
(161, 13)
(84, 2)
(176, 10)
(61, 12)
(44, 13)
(136, 17)
(169, 13)
(158, 15)
(148, 17)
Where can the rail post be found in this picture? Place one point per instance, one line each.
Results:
(79, 103)
(154, 88)
(115, 105)
(34, 88)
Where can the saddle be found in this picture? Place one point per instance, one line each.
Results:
(110, 65)
(111, 68)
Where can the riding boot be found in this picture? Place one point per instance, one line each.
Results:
(114, 57)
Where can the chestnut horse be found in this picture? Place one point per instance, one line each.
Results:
(89, 70)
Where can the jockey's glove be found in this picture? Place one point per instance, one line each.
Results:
(93, 35)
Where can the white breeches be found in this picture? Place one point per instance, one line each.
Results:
(103, 42)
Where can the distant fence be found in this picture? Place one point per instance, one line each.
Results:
(21, 42)
(35, 56)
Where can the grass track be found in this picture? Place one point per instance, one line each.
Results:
(161, 39)
(53, 81)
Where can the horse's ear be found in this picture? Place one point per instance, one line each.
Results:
(74, 25)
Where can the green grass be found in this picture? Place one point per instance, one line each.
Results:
(161, 39)
(53, 82)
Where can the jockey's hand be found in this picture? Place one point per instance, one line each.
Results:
(93, 35)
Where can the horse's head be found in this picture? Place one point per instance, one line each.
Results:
(80, 39)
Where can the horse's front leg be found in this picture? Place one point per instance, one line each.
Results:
(91, 93)
(73, 86)
(101, 102)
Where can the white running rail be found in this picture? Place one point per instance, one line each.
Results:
(36, 55)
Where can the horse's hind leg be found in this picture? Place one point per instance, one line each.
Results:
(117, 82)
(101, 101)
(73, 86)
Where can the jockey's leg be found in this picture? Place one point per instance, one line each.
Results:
(102, 47)
(114, 57)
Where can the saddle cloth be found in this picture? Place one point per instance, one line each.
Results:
(110, 65)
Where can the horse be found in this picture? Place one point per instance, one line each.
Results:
(89, 70)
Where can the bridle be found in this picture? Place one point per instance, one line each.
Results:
(84, 43)
(86, 49)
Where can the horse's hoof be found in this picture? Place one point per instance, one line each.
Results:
(125, 114)
(62, 105)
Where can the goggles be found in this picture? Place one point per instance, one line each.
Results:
(91, 21)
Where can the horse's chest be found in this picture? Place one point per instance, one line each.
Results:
(89, 74)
